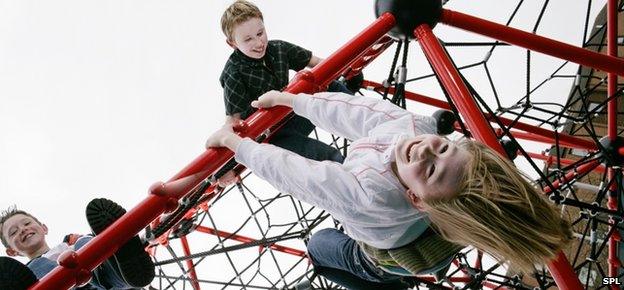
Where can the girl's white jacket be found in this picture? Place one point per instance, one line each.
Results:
(364, 194)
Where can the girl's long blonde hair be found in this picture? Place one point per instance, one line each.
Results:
(498, 211)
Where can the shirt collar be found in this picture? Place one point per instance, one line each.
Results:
(254, 61)
(241, 56)
(390, 153)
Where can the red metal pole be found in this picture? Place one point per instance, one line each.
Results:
(348, 53)
(550, 159)
(368, 56)
(244, 239)
(564, 139)
(612, 51)
(189, 263)
(453, 83)
(568, 140)
(560, 268)
(562, 272)
(587, 167)
(164, 196)
(533, 42)
(534, 133)
(408, 95)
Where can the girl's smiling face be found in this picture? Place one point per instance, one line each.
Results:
(431, 167)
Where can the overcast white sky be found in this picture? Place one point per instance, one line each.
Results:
(103, 98)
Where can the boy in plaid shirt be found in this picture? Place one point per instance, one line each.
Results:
(257, 66)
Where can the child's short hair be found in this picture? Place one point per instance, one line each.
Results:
(7, 214)
(239, 12)
(498, 211)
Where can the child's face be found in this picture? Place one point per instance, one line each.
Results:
(24, 235)
(250, 38)
(430, 167)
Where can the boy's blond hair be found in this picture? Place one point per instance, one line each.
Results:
(498, 211)
(239, 12)
(7, 214)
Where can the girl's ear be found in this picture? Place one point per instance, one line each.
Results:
(414, 200)
(12, 252)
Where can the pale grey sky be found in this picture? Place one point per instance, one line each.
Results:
(103, 98)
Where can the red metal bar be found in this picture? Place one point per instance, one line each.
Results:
(352, 50)
(564, 140)
(244, 239)
(368, 56)
(585, 168)
(563, 273)
(612, 50)
(551, 159)
(534, 133)
(164, 196)
(533, 42)
(408, 95)
(478, 259)
(453, 83)
(163, 239)
(189, 263)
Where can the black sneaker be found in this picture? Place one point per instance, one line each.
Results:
(133, 263)
(15, 275)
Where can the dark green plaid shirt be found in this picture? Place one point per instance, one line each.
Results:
(244, 79)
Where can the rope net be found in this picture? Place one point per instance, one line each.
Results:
(249, 236)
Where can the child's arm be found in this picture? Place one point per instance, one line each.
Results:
(346, 115)
(321, 183)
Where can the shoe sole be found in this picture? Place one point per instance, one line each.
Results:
(134, 264)
(15, 275)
